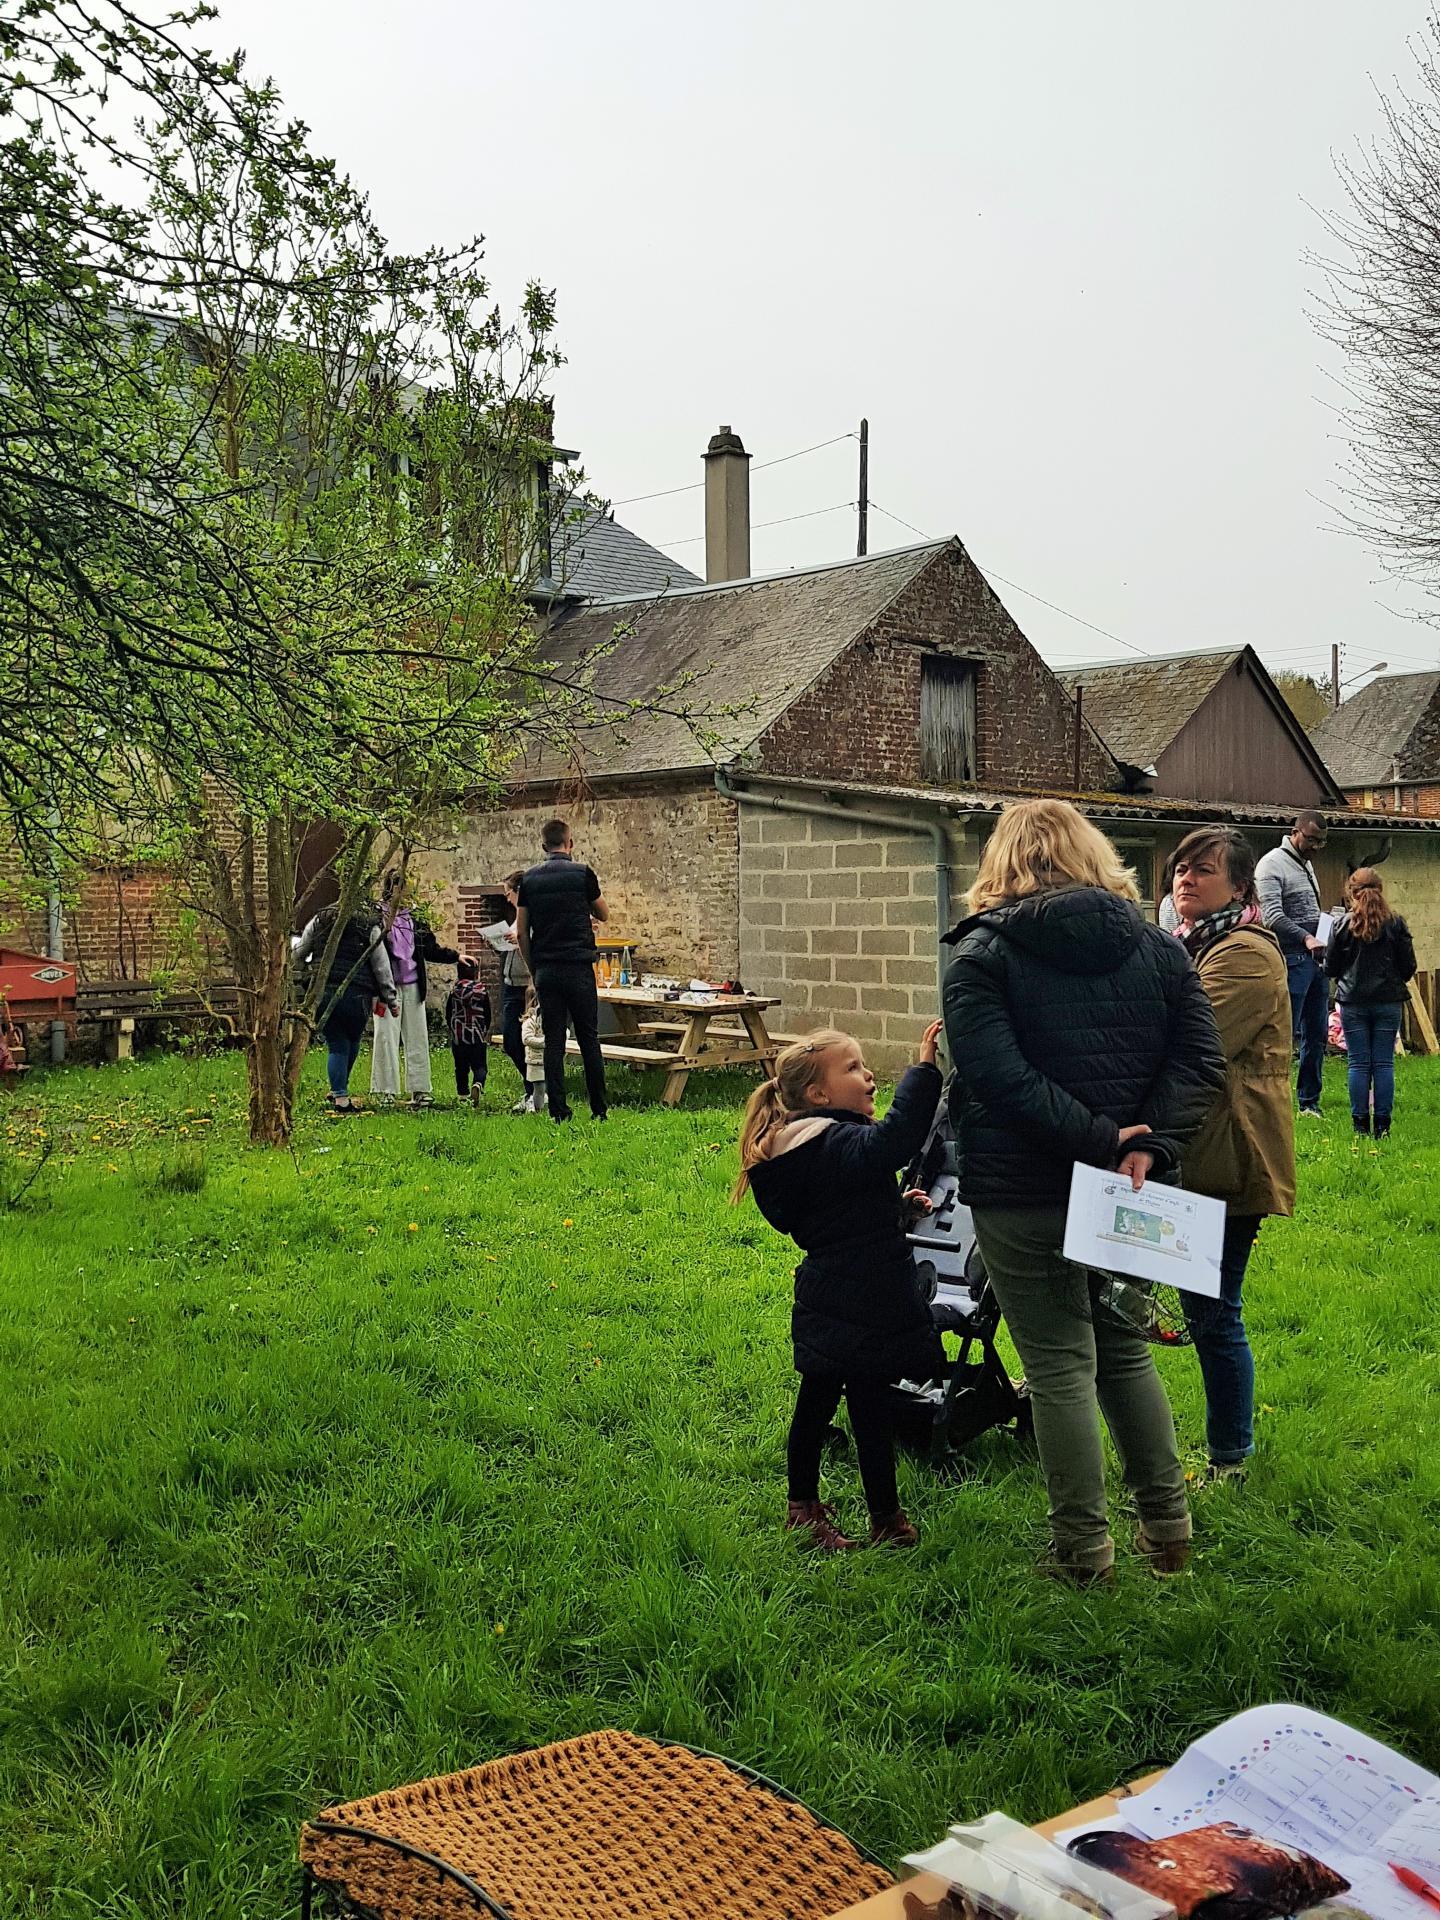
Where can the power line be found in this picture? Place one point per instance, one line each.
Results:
(843, 506)
(1015, 587)
(694, 486)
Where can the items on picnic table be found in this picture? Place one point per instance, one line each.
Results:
(1302, 1779)
(1219, 1872)
(1273, 1812)
(998, 1870)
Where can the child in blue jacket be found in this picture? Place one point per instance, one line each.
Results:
(822, 1170)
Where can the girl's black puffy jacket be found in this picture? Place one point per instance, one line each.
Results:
(1068, 1017)
(858, 1305)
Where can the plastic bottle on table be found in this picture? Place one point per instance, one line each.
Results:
(627, 966)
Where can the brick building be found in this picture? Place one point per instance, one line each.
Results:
(813, 824)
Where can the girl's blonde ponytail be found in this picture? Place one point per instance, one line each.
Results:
(764, 1114)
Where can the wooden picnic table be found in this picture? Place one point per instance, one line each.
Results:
(687, 1034)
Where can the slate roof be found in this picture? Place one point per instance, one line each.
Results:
(593, 557)
(1363, 738)
(1114, 809)
(1139, 706)
(750, 646)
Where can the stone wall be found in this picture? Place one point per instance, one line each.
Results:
(1412, 885)
(838, 920)
(861, 719)
(665, 853)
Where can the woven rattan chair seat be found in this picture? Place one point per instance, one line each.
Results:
(606, 1827)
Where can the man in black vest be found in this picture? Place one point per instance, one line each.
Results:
(557, 902)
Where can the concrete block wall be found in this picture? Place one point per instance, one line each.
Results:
(837, 919)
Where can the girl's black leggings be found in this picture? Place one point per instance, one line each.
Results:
(871, 1420)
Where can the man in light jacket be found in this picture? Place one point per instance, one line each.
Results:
(1290, 907)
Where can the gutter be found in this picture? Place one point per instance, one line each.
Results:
(885, 823)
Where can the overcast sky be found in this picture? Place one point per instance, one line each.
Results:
(1054, 249)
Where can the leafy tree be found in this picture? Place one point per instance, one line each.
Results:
(274, 504)
(379, 431)
(1308, 699)
(125, 623)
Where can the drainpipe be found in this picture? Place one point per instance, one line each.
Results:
(887, 823)
(55, 930)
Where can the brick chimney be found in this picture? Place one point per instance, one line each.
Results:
(727, 508)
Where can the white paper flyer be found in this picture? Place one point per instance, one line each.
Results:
(1159, 1234)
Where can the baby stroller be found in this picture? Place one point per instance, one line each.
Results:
(939, 1418)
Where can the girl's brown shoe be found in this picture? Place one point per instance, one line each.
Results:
(894, 1531)
(1164, 1556)
(818, 1520)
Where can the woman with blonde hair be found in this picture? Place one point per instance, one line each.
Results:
(822, 1170)
(1372, 958)
(1079, 1033)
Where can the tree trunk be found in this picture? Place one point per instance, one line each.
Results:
(271, 1075)
(272, 1106)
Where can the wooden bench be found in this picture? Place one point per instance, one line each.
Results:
(627, 1056)
(720, 1032)
(117, 1007)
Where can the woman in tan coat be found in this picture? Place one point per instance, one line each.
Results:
(1244, 1154)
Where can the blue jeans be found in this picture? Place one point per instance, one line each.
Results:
(1370, 1042)
(343, 1024)
(1222, 1347)
(1309, 1018)
(340, 1055)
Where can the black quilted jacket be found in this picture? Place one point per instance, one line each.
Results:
(858, 1307)
(1068, 1017)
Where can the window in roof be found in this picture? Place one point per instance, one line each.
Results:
(947, 718)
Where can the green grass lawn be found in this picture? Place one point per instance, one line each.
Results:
(451, 1434)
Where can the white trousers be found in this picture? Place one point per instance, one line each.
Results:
(411, 1030)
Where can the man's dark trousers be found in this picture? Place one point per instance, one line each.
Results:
(1310, 1017)
(568, 997)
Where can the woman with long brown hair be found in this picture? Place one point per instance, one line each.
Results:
(1079, 1033)
(1371, 956)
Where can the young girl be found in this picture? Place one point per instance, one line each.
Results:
(532, 1035)
(823, 1170)
(467, 1020)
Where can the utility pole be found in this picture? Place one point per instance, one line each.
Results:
(1335, 676)
(863, 544)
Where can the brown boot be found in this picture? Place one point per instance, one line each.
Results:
(1074, 1572)
(818, 1520)
(1165, 1556)
(894, 1531)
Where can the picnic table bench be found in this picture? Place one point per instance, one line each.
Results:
(686, 1033)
